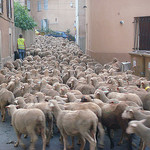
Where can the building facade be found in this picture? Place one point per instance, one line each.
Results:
(115, 28)
(57, 15)
(80, 23)
(6, 31)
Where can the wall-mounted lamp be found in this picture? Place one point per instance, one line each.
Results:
(121, 22)
(71, 4)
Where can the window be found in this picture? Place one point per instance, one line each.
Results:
(28, 4)
(44, 24)
(9, 9)
(56, 20)
(142, 33)
(1, 6)
(39, 5)
(45, 4)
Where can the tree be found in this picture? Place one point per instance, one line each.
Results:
(22, 18)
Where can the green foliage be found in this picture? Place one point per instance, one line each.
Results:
(22, 18)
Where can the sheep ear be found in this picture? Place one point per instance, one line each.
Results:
(17, 106)
(130, 110)
(134, 125)
(7, 107)
(142, 121)
(51, 105)
(16, 102)
(140, 108)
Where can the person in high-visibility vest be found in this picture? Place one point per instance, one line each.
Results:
(21, 46)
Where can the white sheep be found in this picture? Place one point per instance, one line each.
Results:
(30, 122)
(73, 123)
(6, 98)
(139, 129)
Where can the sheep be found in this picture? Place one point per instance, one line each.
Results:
(72, 123)
(9, 65)
(43, 106)
(135, 113)
(6, 98)
(93, 107)
(83, 88)
(112, 119)
(13, 85)
(2, 78)
(100, 95)
(126, 97)
(139, 129)
(30, 122)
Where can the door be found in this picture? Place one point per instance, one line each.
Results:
(144, 37)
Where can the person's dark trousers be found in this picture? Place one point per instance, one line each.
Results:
(21, 53)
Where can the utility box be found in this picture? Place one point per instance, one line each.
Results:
(125, 66)
(138, 63)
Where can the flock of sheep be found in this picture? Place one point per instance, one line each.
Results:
(57, 84)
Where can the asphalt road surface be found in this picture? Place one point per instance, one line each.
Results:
(8, 137)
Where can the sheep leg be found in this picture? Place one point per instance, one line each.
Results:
(33, 139)
(130, 141)
(3, 114)
(90, 140)
(25, 135)
(19, 140)
(143, 146)
(111, 140)
(121, 139)
(82, 140)
(61, 138)
(102, 134)
(65, 141)
(43, 138)
(50, 130)
(71, 146)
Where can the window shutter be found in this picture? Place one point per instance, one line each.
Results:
(7, 7)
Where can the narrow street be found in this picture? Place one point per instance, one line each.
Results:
(75, 70)
(8, 137)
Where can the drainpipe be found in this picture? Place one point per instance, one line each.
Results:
(77, 22)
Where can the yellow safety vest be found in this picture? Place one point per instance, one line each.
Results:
(20, 42)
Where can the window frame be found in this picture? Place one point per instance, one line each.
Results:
(28, 5)
(45, 4)
(39, 5)
(1, 6)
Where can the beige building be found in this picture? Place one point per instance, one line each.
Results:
(114, 28)
(6, 31)
(58, 15)
(80, 23)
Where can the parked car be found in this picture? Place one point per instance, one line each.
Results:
(58, 34)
